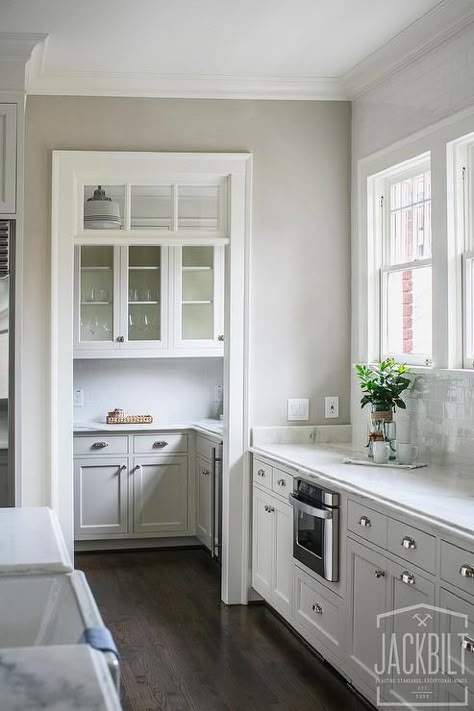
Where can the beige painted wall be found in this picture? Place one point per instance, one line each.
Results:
(301, 245)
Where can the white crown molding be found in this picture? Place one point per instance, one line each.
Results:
(435, 27)
(15, 51)
(185, 86)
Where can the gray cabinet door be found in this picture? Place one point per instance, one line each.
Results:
(204, 501)
(160, 494)
(262, 543)
(282, 573)
(100, 497)
(367, 598)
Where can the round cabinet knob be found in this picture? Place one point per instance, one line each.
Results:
(467, 571)
(468, 644)
(407, 578)
(123, 467)
(121, 339)
(137, 467)
(409, 543)
(260, 472)
(365, 522)
(379, 573)
(220, 338)
(281, 482)
(100, 445)
(206, 472)
(318, 609)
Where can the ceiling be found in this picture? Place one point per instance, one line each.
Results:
(249, 41)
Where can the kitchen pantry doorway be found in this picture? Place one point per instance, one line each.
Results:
(73, 173)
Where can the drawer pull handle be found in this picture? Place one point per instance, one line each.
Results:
(281, 482)
(205, 472)
(365, 522)
(407, 578)
(468, 644)
(159, 445)
(261, 472)
(318, 609)
(379, 574)
(100, 445)
(467, 571)
(409, 543)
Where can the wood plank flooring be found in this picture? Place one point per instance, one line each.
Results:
(183, 650)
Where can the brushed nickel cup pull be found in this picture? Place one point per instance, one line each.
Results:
(100, 445)
(468, 644)
(379, 574)
(281, 482)
(409, 543)
(407, 578)
(365, 522)
(318, 609)
(261, 472)
(467, 571)
(159, 445)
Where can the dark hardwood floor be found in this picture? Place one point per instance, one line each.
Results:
(182, 649)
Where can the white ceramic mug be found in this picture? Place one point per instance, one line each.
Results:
(381, 451)
(406, 452)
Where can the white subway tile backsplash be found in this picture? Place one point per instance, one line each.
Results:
(439, 417)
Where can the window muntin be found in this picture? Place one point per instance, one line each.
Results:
(405, 283)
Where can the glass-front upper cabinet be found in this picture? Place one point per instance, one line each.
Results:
(199, 279)
(96, 312)
(146, 296)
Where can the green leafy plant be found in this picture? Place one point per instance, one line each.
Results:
(382, 384)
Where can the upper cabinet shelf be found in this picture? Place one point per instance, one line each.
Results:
(187, 212)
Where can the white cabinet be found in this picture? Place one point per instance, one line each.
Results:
(139, 301)
(7, 158)
(204, 508)
(160, 494)
(272, 558)
(100, 496)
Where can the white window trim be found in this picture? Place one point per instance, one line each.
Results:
(378, 186)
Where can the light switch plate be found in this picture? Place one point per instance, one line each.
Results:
(298, 409)
(331, 407)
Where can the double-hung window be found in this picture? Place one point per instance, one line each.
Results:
(404, 249)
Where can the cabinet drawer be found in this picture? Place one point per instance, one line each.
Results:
(412, 545)
(205, 447)
(262, 473)
(367, 523)
(318, 610)
(160, 443)
(101, 444)
(282, 483)
(457, 566)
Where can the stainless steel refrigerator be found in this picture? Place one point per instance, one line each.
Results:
(7, 494)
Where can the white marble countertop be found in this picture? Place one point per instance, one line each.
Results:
(438, 494)
(57, 678)
(31, 542)
(208, 426)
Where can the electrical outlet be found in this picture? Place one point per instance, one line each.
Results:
(298, 409)
(331, 406)
(78, 399)
(218, 393)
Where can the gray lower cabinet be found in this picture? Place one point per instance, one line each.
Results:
(272, 553)
(100, 496)
(204, 487)
(160, 494)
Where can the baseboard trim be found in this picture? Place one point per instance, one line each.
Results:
(135, 544)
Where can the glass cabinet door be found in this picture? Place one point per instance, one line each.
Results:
(95, 294)
(199, 308)
(146, 268)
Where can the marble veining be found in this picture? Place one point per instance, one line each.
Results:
(438, 494)
(60, 678)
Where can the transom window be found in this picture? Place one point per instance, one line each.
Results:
(404, 236)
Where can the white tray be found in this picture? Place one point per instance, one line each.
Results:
(391, 465)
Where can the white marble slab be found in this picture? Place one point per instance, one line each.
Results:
(443, 495)
(209, 425)
(31, 542)
(58, 678)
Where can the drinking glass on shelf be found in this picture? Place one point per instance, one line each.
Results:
(103, 295)
(147, 295)
(90, 295)
(133, 295)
